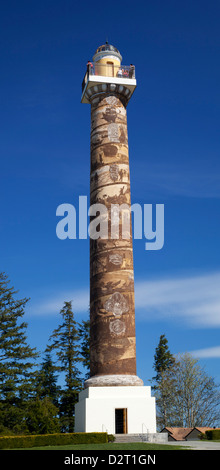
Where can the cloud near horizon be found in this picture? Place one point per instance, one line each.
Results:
(190, 300)
(52, 305)
(207, 353)
(195, 300)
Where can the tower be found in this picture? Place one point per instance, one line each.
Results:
(114, 397)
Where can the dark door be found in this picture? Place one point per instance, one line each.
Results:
(121, 421)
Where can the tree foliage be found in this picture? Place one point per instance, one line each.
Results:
(163, 362)
(186, 396)
(196, 396)
(84, 335)
(65, 344)
(163, 359)
(46, 381)
(30, 399)
(42, 417)
(17, 359)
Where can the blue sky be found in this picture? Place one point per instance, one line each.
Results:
(173, 127)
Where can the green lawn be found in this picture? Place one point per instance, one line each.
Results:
(111, 446)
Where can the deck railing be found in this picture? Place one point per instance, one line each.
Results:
(108, 70)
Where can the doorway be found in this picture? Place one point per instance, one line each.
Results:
(110, 69)
(121, 421)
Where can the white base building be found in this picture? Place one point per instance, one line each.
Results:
(116, 410)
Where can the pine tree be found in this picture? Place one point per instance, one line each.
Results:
(16, 359)
(65, 343)
(163, 359)
(46, 381)
(42, 417)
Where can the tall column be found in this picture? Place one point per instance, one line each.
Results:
(113, 389)
(112, 311)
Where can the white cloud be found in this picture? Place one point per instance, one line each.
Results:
(52, 305)
(194, 299)
(207, 353)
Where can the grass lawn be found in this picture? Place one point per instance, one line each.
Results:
(111, 446)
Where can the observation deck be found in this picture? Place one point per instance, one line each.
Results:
(102, 78)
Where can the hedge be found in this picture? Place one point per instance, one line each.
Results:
(213, 434)
(39, 440)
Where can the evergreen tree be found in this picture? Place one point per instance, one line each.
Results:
(42, 417)
(16, 359)
(84, 334)
(65, 343)
(163, 359)
(46, 381)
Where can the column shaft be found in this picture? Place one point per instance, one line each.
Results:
(112, 313)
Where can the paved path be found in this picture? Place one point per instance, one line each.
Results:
(197, 445)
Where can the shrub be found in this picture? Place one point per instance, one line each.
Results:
(39, 440)
(213, 434)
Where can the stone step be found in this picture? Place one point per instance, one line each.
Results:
(157, 438)
(130, 438)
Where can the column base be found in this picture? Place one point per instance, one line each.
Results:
(113, 381)
(97, 410)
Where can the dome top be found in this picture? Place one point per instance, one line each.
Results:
(106, 49)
